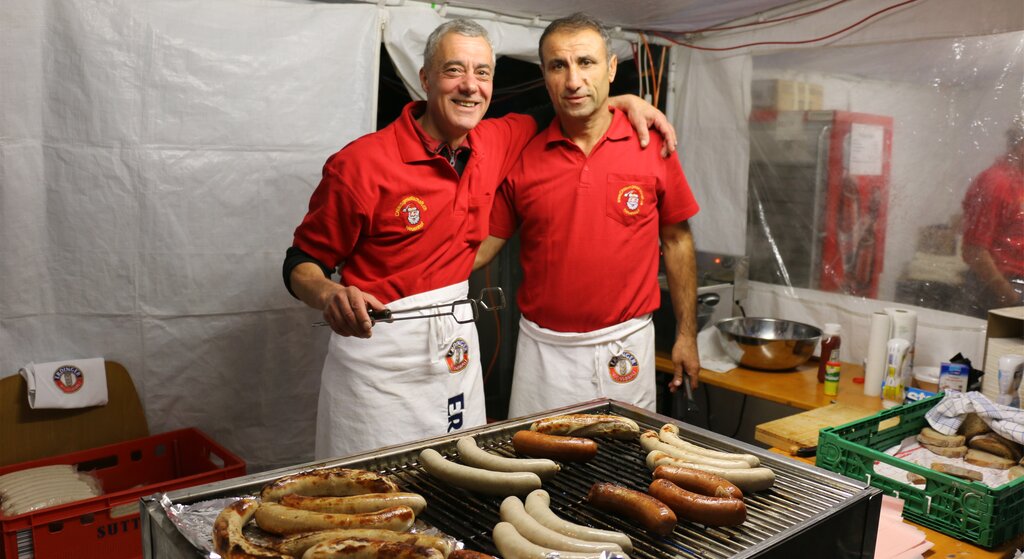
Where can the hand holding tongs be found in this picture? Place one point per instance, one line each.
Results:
(490, 299)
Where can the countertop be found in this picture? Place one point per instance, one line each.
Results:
(800, 389)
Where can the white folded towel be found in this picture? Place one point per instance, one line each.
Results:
(74, 383)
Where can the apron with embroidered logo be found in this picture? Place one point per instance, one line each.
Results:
(410, 380)
(555, 369)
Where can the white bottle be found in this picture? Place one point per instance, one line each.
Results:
(1011, 367)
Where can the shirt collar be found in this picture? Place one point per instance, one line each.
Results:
(620, 129)
(417, 144)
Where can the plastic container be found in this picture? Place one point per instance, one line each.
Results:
(895, 364)
(967, 510)
(831, 339)
(927, 379)
(108, 526)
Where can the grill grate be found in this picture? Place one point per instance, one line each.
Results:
(795, 500)
(778, 520)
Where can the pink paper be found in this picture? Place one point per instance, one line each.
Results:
(897, 539)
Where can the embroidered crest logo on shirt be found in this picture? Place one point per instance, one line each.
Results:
(411, 209)
(68, 378)
(458, 355)
(631, 198)
(624, 367)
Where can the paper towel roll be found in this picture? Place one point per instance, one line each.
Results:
(904, 325)
(874, 366)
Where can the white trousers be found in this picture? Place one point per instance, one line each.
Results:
(410, 380)
(555, 369)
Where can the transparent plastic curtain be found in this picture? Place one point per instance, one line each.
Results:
(861, 159)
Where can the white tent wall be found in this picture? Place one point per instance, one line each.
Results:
(155, 158)
(947, 133)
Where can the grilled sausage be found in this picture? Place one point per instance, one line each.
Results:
(279, 519)
(651, 513)
(709, 511)
(649, 441)
(297, 544)
(747, 479)
(478, 479)
(369, 549)
(513, 512)
(538, 505)
(469, 554)
(337, 482)
(557, 447)
(512, 545)
(588, 425)
(354, 504)
(699, 481)
(669, 434)
(472, 455)
(228, 540)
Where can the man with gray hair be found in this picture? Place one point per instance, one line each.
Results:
(402, 212)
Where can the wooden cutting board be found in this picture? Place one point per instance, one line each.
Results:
(801, 430)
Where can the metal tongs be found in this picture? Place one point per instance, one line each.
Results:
(490, 299)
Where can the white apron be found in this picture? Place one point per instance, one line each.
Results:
(410, 380)
(555, 369)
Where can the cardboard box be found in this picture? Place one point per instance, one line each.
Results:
(1004, 335)
(107, 526)
(786, 95)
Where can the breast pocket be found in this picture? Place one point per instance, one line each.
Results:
(478, 219)
(630, 199)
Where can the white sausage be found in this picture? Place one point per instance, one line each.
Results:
(369, 549)
(279, 519)
(335, 482)
(512, 545)
(354, 504)
(588, 425)
(649, 441)
(298, 544)
(478, 479)
(472, 455)
(748, 479)
(538, 505)
(669, 434)
(513, 512)
(228, 539)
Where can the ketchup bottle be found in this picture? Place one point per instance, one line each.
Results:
(829, 348)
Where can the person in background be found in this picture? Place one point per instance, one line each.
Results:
(993, 238)
(402, 212)
(590, 207)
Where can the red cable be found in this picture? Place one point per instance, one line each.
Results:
(822, 38)
(767, 21)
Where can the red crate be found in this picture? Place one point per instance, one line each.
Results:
(107, 526)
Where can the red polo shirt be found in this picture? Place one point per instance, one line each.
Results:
(590, 226)
(397, 216)
(994, 215)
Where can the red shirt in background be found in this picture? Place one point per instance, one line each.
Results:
(994, 215)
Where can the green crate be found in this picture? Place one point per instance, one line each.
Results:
(967, 510)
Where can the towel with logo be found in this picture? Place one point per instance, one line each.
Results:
(73, 383)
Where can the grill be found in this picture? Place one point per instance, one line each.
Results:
(808, 508)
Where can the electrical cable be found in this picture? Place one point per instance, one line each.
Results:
(739, 422)
(766, 21)
(497, 330)
(801, 42)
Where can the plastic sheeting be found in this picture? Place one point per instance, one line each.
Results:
(155, 159)
(919, 100)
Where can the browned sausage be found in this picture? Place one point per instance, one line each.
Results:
(468, 554)
(651, 513)
(709, 511)
(705, 483)
(556, 447)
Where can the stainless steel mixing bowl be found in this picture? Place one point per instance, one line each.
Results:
(769, 344)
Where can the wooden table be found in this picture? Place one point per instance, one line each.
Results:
(800, 389)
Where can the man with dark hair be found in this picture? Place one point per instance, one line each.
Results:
(402, 212)
(993, 241)
(590, 207)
